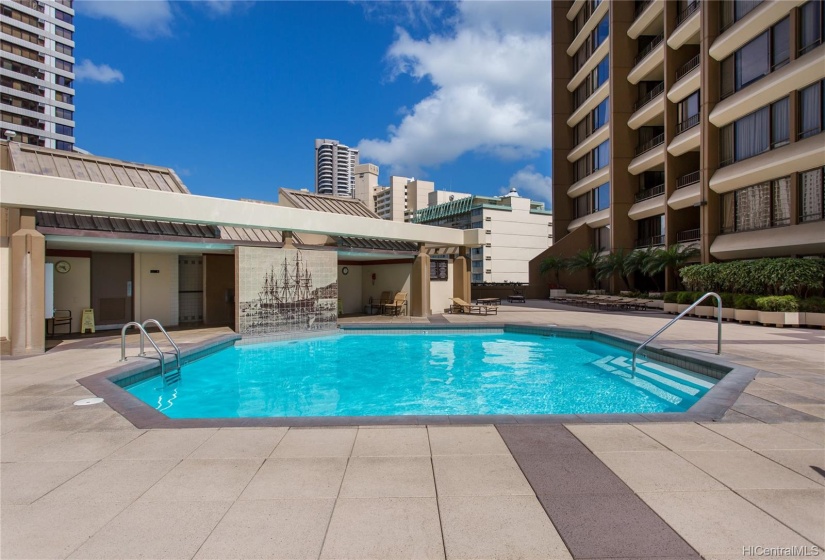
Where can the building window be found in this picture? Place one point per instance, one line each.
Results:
(63, 97)
(438, 270)
(757, 59)
(651, 231)
(594, 160)
(63, 113)
(811, 25)
(63, 32)
(812, 195)
(592, 201)
(61, 145)
(734, 10)
(755, 133)
(592, 82)
(594, 120)
(601, 238)
(591, 43)
(63, 16)
(65, 49)
(63, 81)
(759, 206)
(63, 129)
(688, 114)
(811, 109)
(63, 65)
(601, 197)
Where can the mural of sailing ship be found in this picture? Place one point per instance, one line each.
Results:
(288, 299)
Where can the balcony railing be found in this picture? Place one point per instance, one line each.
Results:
(650, 193)
(688, 123)
(687, 67)
(689, 179)
(688, 235)
(687, 12)
(650, 144)
(648, 49)
(650, 241)
(649, 96)
(641, 6)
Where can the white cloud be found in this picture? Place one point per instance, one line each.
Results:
(491, 74)
(532, 184)
(88, 71)
(145, 18)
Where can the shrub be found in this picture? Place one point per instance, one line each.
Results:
(728, 299)
(787, 304)
(670, 297)
(685, 298)
(761, 276)
(744, 301)
(813, 305)
(704, 277)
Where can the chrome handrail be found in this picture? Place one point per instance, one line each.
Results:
(166, 334)
(682, 314)
(142, 332)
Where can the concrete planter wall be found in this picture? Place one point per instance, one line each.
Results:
(670, 307)
(703, 310)
(558, 293)
(780, 318)
(814, 319)
(680, 307)
(746, 315)
(727, 313)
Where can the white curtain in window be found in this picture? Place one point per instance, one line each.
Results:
(782, 202)
(753, 207)
(810, 107)
(752, 134)
(779, 118)
(812, 192)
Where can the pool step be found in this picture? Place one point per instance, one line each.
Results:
(665, 382)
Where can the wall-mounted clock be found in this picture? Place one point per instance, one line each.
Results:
(62, 267)
(345, 271)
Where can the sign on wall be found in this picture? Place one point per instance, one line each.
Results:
(286, 290)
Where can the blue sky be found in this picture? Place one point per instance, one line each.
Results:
(233, 94)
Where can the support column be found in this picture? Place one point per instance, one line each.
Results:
(461, 274)
(28, 258)
(420, 285)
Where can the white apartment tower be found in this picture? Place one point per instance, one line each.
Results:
(37, 72)
(334, 168)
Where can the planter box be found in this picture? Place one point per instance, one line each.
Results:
(815, 319)
(656, 304)
(727, 313)
(670, 307)
(746, 315)
(680, 307)
(557, 293)
(779, 318)
(704, 310)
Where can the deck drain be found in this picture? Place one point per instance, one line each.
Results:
(87, 402)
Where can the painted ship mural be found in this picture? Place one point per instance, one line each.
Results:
(288, 300)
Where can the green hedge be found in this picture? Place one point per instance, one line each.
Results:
(670, 297)
(760, 277)
(788, 304)
(812, 305)
(744, 301)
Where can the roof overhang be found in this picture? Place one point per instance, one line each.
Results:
(23, 190)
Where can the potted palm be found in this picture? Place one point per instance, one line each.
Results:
(555, 265)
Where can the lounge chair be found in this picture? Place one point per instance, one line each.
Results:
(461, 306)
(516, 297)
(398, 304)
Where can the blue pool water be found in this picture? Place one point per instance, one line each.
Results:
(422, 374)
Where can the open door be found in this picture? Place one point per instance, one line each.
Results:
(112, 285)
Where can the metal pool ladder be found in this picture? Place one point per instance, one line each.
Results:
(174, 375)
(682, 314)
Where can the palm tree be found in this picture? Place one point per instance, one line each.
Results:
(641, 260)
(674, 257)
(554, 264)
(615, 263)
(586, 259)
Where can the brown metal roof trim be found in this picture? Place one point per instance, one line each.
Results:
(326, 203)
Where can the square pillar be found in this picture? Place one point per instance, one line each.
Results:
(28, 258)
(461, 275)
(420, 285)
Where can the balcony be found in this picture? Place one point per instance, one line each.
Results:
(688, 235)
(649, 96)
(650, 193)
(687, 67)
(648, 19)
(687, 124)
(687, 12)
(688, 179)
(656, 240)
(648, 49)
(649, 63)
(650, 144)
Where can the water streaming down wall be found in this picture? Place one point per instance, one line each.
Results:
(285, 290)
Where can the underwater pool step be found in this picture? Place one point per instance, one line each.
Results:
(656, 378)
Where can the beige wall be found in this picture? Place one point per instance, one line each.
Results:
(388, 278)
(350, 289)
(156, 294)
(5, 290)
(441, 292)
(72, 290)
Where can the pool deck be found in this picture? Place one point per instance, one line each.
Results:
(82, 482)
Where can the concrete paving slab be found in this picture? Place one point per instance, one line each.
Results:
(613, 437)
(45, 531)
(26, 446)
(817, 410)
(543, 439)
(168, 530)
(296, 477)
(761, 436)
(71, 419)
(397, 442)
(720, 522)
(801, 510)
(204, 480)
(164, 444)
(19, 421)
(577, 473)
(111, 481)
(290, 529)
(812, 432)
(745, 469)
(810, 463)
(316, 442)
(683, 437)
(35, 404)
(83, 446)
(500, 527)
(466, 440)
(612, 525)
(23, 483)
(388, 477)
(776, 413)
(658, 471)
(240, 443)
(479, 475)
(384, 529)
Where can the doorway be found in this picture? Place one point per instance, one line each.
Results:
(112, 299)
(190, 289)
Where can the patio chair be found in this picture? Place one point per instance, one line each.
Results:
(384, 299)
(461, 306)
(62, 318)
(516, 297)
(398, 304)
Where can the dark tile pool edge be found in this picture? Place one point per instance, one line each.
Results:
(733, 378)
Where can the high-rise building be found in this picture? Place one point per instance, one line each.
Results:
(402, 198)
(689, 121)
(334, 168)
(37, 72)
(366, 183)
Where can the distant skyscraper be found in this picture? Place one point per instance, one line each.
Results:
(37, 72)
(334, 168)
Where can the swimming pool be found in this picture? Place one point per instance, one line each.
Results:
(423, 373)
